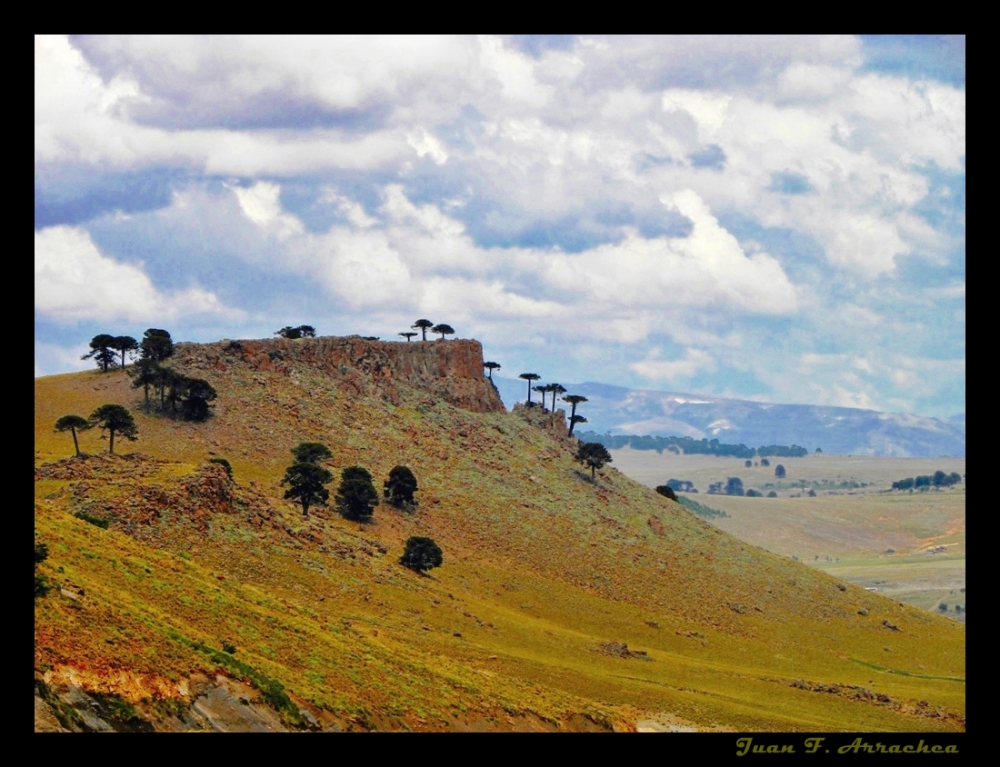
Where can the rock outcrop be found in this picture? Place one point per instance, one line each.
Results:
(451, 370)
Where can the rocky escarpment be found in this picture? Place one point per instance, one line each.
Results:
(451, 370)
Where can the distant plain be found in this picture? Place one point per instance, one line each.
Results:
(908, 546)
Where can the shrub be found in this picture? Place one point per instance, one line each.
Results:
(772, 494)
(751, 493)
(779, 471)
(667, 491)
(421, 554)
(225, 465)
(734, 486)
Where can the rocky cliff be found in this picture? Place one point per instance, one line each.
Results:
(451, 370)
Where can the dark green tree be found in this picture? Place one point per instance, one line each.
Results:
(556, 390)
(421, 554)
(400, 487)
(734, 486)
(196, 394)
(444, 330)
(126, 345)
(764, 462)
(422, 326)
(491, 366)
(574, 420)
(102, 349)
(311, 452)
(594, 455)
(573, 400)
(667, 491)
(145, 373)
(72, 423)
(529, 377)
(779, 471)
(156, 345)
(114, 419)
(747, 463)
(542, 390)
(408, 335)
(356, 496)
(306, 485)
(302, 331)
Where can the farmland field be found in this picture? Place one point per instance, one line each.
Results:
(908, 546)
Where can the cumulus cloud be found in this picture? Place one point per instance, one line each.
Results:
(74, 281)
(670, 371)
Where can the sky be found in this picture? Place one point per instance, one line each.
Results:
(778, 219)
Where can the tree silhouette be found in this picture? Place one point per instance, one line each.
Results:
(102, 349)
(114, 419)
(356, 496)
(556, 390)
(594, 455)
(422, 325)
(667, 491)
(145, 373)
(529, 377)
(72, 423)
(542, 390)
(444, 330)
(126, 345)
(491, 366)
(574, 400)
(302, 331)
(156, 345)
(311, 452)
(400, 487)
(421, 554)
(779, 471)
(306, 485)
(573, 421)
(408, 336)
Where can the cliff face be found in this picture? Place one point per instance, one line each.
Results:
(451, 370)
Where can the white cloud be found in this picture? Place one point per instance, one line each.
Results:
(261, 205)
(693, 362)
(74, 281)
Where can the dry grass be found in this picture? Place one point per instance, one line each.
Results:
(541, 566)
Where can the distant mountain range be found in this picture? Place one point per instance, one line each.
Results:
(848, 431)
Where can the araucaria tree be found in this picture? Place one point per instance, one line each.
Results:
(356, 496)
(422, 326)
(573, 400)
(594, 455)
(529, 377)
(444, 330)
(126, 345)
(306, 485)
(156, 345)
(556, 390)
(72, 423)
(115, 419)
(408, 335)
(102, 350)
(491, 366)
(311, 452)
(302, 331)
(400, 487)
(421, 554)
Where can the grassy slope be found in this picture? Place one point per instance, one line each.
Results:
(541, 566)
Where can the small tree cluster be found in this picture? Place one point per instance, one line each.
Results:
(105, 348)
(424, 325)
(924, 481)
(302, 331)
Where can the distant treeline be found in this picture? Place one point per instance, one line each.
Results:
(939, 479)
(690, 445)
(700, 509)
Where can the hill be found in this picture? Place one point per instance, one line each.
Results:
(563, 602)
(842, 430)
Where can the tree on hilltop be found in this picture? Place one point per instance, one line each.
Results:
(102, 350)
(444, 330)
(302, 331)
(594, 455)
(542, 390)
(491, 366)
(422, 325)
(408, 335)
(306, 485)
(114, 419)
(126, 345)
(573, 421)
(574, 400)
(556, 390)
(529, 377)
(156, 345)
(72, 423)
